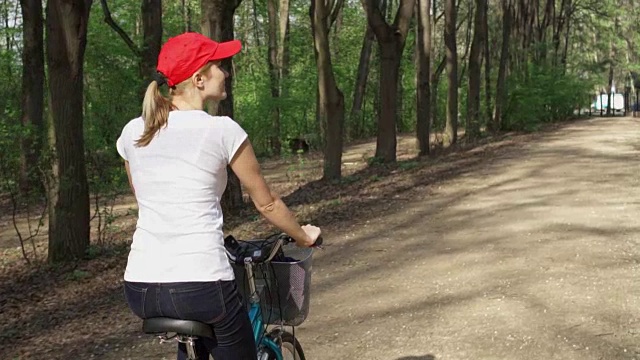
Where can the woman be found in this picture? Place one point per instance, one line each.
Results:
(176, 157)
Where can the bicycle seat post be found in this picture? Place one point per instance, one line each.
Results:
(191, 347)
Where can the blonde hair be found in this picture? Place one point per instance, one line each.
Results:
(156, 107)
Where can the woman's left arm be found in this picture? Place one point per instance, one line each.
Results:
(126, 166)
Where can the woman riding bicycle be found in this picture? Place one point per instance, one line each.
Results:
(176, 156)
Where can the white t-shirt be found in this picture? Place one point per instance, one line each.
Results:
(179, 179)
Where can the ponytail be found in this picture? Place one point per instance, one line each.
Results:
(155, 113)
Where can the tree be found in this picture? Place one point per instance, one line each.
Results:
(152, 38)
(475, 65)
(274, 75)
(487, 65)
(217, 23)
(32, 88)
(501, 86)
(151, 11)
(451, 128)
(330, 99)
(361, 83)
(391, 41)
(277, 62)
(66, 26)
(423, 90)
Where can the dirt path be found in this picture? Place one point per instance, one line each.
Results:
(530, 253)
(533, 256)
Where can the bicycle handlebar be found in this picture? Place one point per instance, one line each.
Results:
(289, 239)
(286, 238)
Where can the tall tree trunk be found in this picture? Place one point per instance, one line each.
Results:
(186, 15)
(361, 84)
(32, 91)
(547, 20)
(423, 96)
(283, 45)
(69, 197)
(256, 28)
(451, 128)
(330, 98)
(610, 82)
(467, 46)
(274, 76)
(568, 14)
(336, 31)
(475, 73)
(217, 23)
(152, 38)
(391, 41)
(501, 86)
(487, 66)
(435, 75)
(558, 26)
(400, 124)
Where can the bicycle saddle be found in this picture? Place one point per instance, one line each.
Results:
(170, 325)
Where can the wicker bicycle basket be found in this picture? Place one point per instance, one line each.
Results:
(284, 287)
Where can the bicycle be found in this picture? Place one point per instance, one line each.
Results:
(246, 257)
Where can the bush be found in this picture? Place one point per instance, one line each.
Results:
(547, 95)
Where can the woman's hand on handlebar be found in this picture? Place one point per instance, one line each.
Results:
(313, 233)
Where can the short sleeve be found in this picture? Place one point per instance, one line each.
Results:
(120, 144)
(233, 137)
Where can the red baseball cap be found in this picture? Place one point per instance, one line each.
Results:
(183, 55)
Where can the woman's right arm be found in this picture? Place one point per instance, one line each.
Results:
(245, 165)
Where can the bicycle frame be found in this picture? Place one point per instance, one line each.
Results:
(255, 315)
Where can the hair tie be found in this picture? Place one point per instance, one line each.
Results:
(159, 78)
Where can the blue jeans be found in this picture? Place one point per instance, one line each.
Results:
(217, 303)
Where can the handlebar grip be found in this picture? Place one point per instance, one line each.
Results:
(289, 239)
(318, 242)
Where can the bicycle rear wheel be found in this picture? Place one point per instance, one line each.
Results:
(290, 348)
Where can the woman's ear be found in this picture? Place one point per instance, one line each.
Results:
(198, 80)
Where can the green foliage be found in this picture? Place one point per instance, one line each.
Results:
(547, 95)
(78, 275)
(374, 160)
(113, 85)
(10, 150)
(408, 165)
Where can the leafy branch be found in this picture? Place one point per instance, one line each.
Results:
(109, 20)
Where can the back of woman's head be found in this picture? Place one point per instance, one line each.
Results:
(156, 107)
(180, 57)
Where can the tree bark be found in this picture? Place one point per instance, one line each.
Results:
(364, 63)
(69, 197)
(547, 20)
(467, 45)
(32, 91)
(610, 83)
(186, 15)
(558, 26)
(451, 128)
(274, 76)
(330, 98)
(217, 23)
(152, 39)
(568, 14)
(501, 86)
(391, 41)
(487, 66)
(283, 44)
(423, 96)
(475, 66)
